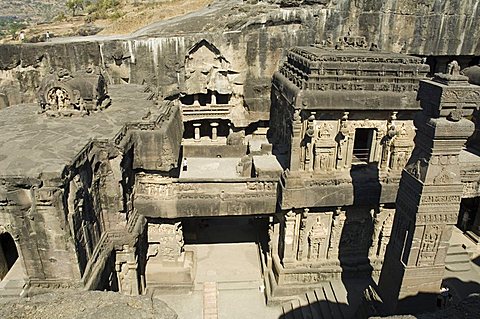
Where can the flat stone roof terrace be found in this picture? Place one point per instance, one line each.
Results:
(32, 143)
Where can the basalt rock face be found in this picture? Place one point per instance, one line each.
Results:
(86, 305)
(23, 67)
(253, 37)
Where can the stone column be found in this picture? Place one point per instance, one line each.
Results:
(195, 100)
(126, 267)
(290, 239)
(3, 264)
(214, 126)
(214, 98)
(296, 149)
(429, 195)
(196, 127)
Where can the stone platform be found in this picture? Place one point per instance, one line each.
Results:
(32, 144)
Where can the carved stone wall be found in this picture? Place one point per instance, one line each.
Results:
(158, 196)
(430, 191)
(310, 246)
(318, 239)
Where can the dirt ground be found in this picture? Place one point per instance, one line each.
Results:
(130, 17)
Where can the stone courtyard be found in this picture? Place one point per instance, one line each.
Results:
(254, 159)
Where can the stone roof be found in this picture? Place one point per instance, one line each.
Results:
(323, 68)
(325, 78)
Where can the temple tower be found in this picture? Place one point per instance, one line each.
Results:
(429, 194)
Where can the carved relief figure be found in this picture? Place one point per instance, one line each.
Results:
(316, 239)
(167, 240)
(338, 222)
(429, 246)
(382, 227)
(65, 93)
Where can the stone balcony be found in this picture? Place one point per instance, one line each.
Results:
(211, 111)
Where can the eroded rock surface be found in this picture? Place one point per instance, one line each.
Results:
(85, 305)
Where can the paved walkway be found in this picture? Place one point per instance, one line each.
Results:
(228, 277)
(227, 285)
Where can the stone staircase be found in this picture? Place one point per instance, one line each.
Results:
(13, 283)
(457, 259)
(11, 289)
(329, 301)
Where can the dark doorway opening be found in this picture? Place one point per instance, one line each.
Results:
(8, 254)
(362, 145)
(241, 229)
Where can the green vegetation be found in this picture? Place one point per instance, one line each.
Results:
(95, 9)
(75, 5)
(10, 26)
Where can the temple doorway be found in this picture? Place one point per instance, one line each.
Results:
(228, 250)
(8, 254)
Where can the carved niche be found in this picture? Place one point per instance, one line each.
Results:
(325, 147)
(382, 229)
(429, 246)
(65, 93)
(314, 235)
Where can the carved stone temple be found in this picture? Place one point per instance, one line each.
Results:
(305, 154)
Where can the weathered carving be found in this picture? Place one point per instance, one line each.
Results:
(65, 93)
(335, 62)
(317, 239)
(166, 240)
(429, 246)
(382, 228)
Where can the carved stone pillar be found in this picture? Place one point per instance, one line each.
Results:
(296, 156)
(338, 221)
(290, 237)
(214, 126)
(126, 267)
(195, 100)
(3, 264)
(429, 194)
(214, 98)
(196, 127)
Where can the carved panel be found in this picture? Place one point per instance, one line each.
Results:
(166, 240)
(429, 245)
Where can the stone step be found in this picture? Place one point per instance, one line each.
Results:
(11, 292)
(474, 237)
(321, 303)
(458, 267)
(288, 310)
(314, 305)
(333, 302)
(240, 285)
(456, 249)
(457, 259)
(305, 309)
